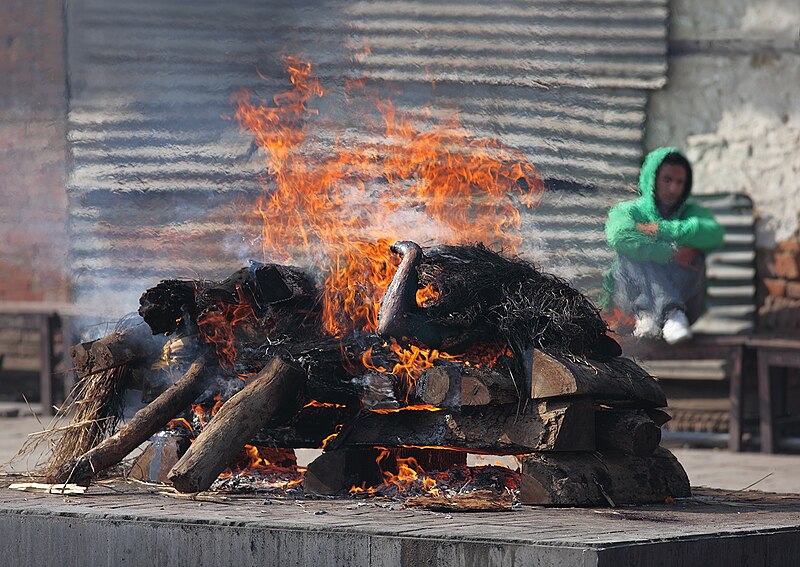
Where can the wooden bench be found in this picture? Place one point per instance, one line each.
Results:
(774, 356)
(50, 316)
(718, 352)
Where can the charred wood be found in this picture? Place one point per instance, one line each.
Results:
(545, 426)
(267, 288)
(453, 386)
(630, 432)
(616, 380)
(144, 424)
(132, 345)
(307, 429)
(600, 479)
(274, 389)
(335, 373)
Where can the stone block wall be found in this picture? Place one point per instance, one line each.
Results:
(731, 103)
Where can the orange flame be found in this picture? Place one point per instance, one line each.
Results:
(219, 326)
(343, 209)
(619, 321)
(413, 362)
(427, 295)
(408, 472)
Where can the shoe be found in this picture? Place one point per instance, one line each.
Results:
(646, 327)
(676, 328)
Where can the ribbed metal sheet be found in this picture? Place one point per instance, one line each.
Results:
(731, 270)
(159, 178)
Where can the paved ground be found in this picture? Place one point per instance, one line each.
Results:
(705, 467)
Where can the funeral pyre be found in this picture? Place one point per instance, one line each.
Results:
(397, 360)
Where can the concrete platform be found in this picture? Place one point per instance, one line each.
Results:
(126, 524)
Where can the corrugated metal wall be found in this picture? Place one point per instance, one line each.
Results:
(158, 178)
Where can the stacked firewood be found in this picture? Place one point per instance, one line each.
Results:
(584, 421)
(586, 433)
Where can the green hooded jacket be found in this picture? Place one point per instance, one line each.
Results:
(691, 225)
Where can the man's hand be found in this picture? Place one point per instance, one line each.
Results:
(649, 228)
(685, 256)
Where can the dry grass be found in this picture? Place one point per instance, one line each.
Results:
(91, 413)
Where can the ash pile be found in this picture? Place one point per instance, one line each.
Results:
(472, 353)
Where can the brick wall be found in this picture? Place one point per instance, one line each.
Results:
(779, 288)
(33, 208)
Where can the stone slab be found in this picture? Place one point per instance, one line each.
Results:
(127, 524)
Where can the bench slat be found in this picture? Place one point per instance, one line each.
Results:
(709, 369)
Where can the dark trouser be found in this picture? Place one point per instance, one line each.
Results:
(659, 288)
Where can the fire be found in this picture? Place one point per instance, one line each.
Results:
(219, 326)
(427, 295)
(204, 414)
(409, 471)
(343, 209)
(409, 475)
(265, 462)
(486, 354)
(619, 321)
(359, 276)
(413, 362)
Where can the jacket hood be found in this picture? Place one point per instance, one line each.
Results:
(647, 179)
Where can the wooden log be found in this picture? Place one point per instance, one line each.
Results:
(499, 430)
(126, 346)
(147, 421)
(616, 381)
(600, 479)
(631, 432)
(274, 389)
(429, 460)
(306, 429)
(330, 377)
(158, 458)
(453, 386)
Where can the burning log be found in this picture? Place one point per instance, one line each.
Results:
(267, 395)
(125, 346)
(144, 424)
(498, 430)
(307, 429)
(598, 479)
(629, 432)
(264, 287)
(455, 386)
(618, 381)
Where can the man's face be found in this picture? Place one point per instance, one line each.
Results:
(670, 184)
